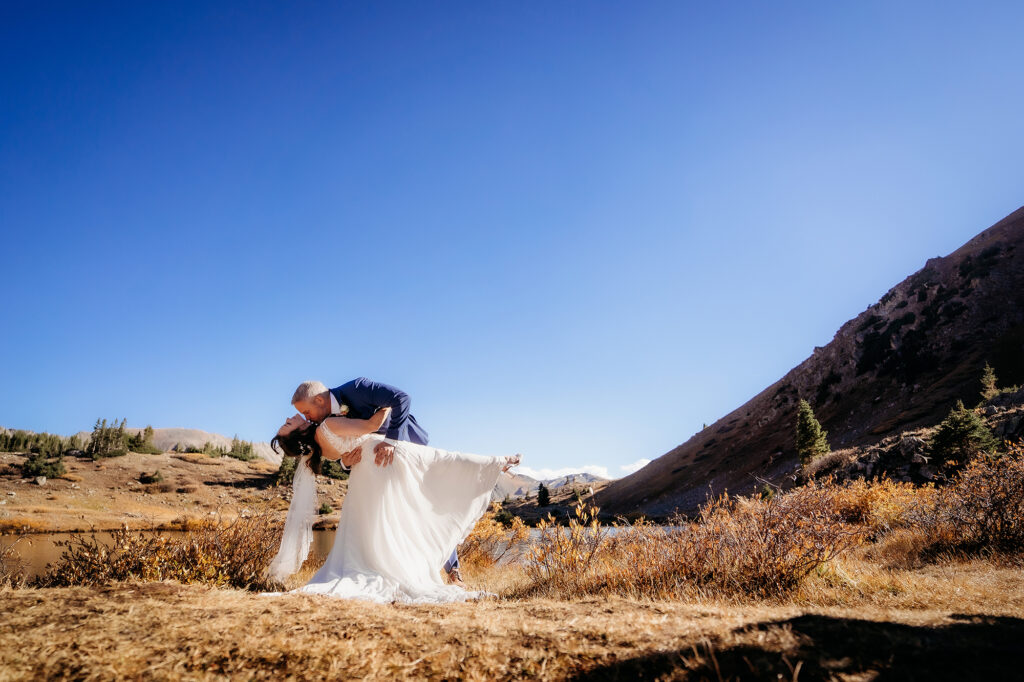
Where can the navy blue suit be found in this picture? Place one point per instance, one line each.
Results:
(364, 397)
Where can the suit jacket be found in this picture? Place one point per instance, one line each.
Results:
(364, 397)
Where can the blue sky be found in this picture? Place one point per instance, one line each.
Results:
(573, 230)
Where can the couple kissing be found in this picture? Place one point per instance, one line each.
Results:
(408, 506)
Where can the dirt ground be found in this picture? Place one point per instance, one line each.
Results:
(106, 494)
(171, 631)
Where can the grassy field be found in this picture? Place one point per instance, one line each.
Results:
(859, 581)
(107, 494)
(957, 621)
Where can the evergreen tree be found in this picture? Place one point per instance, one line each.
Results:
(142, 442)
(107, 441)
(960, 436)
(543, 496)
(811, 440)
(39, 464)
(286, 471)
(988, 383)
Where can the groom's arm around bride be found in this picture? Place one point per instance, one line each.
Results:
(361, 398)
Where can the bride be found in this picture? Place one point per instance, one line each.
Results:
(398, 523)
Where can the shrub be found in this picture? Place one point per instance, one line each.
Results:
(328, 468)
(286, 471)
(234, 554)
(325, 509)
(736, 548)
(491, 540)
(563, 561)
(960, 436)
(241, 449)
(878, 506)
(12, 566)
(981, 510)
(155, 477)
(40, 465)
(332, 469)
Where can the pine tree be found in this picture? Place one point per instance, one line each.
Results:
(543, 496)
(960, 436)
(988, 383)
(811, 440)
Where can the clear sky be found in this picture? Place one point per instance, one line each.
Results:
(575, 230)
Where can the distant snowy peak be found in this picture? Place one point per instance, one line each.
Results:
(519, 485)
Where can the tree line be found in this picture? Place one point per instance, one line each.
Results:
(240, 449)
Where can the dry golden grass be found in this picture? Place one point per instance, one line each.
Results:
(170, 631)
(823, 582)
(23, 524)
(197, 458)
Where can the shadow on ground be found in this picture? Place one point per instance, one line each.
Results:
(260, 482)
(816, 647)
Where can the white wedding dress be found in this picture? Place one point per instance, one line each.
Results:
(400, 523)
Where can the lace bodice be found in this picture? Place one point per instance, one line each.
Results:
(346, 443)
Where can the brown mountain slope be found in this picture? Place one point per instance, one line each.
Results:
(900, 364)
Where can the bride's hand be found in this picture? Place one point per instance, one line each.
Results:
(352, 457)
(511, 462)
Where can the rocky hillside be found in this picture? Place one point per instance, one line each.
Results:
(899, 365)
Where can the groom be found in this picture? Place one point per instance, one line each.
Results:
(360, 399)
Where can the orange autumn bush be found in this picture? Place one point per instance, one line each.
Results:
(981, 510)
(233, 554)
(880, 506)
(737, 547)
(491, 541)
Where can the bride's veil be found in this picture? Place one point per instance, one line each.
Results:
(298, 525)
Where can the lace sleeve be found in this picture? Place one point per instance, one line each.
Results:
(342, 444)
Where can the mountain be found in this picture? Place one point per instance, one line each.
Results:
(513, 485)
(518, 485)
(900, 364)
(573, 479)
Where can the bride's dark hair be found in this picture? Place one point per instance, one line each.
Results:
(299, 443)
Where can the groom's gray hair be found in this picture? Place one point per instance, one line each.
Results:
(307, 390)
